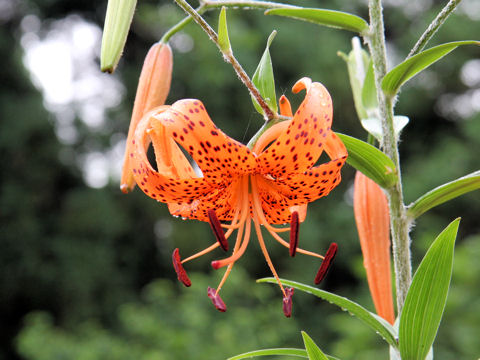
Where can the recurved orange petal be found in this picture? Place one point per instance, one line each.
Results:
(166, 186)
(299, 147)
(219, 157)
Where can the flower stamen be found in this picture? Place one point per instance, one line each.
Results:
(326, 263)
(287, 302)
(217, 229)
(201, 253)
(272, 230)
(216, 299)
(294, 227)
(217, 264)
(177, 265)
(265, 253)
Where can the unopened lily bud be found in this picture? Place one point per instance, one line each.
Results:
(117, 24)
(373, 224)
(152, 91)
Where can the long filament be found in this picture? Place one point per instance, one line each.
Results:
(273, 231)
(265, 252)
(216, 244)
(245, 212)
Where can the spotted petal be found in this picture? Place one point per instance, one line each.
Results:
(319, 180)
(299, 147)
(165, 185)
(219, 157)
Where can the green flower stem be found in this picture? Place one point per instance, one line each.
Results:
(228, 56)
(209, 5)
(433, 27)
(181, 24)
(264, 128)
(398, 219)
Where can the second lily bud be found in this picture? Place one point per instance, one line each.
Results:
(373, 224)
(152, 91)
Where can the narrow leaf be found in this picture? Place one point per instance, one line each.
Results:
(370, 161)
(330, 18)
(400, 74)
(444, 193)
(379, 325)
(313, 351)
(264, 79)
(117, 24)
(269, 352)
(223, 39)
(427, 296)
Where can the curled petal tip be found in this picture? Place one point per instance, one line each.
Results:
(124, 188)
(326, 263)
(303, 83)
(285, 107)
(287, 302)
(216, 299)
(177, 265)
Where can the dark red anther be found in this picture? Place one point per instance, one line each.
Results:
(217, 229)
(329, 256)
(294, 227)
(216, 299)
(177, 265)
(287, 302)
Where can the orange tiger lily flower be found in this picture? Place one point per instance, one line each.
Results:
(373, 225)
(270, 184)
(152, 91)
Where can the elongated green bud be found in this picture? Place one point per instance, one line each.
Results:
(117, 24)
(223, 40)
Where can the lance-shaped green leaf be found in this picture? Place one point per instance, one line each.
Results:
(376, 323)
(271, 352)
(117, 24)
(330, 18)
(426, 298)
(370, 161)
(313, 351)
(444, 193)
(400, 74)
(264, 79)
(302, 353)
(223, 39)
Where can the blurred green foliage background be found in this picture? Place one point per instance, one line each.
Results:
(85, 271)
